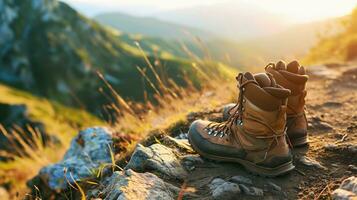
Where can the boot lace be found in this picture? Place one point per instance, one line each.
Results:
(224, 128)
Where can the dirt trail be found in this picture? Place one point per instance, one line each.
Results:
(332, 116)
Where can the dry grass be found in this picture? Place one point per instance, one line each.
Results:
(28, 156)
(28, 153)
(172, 104)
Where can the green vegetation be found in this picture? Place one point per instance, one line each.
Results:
(56, 53)
(59, 121)
(338, 47)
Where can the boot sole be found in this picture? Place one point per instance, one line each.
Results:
(299, 142)
(249, 166)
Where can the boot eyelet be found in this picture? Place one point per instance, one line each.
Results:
(243, 100)
(243, 89)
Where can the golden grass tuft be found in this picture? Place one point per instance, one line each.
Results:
(171, 105)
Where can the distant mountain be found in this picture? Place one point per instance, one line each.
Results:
(231, 19)
(149, 26)
(51, 50)
(293, 42)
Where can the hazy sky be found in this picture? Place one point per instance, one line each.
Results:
(296, 10)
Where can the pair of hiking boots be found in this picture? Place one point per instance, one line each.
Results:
(260, 128)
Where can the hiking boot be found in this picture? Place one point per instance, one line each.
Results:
(254, 135)
(293, 77)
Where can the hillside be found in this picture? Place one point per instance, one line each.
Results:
(149, 26)
(54, 51)
(337, 47)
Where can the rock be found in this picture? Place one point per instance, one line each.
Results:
(343, 148)
(222, 189)
(253, 191)
(352, 148)
(341, 194)
(182, 136)
(181, 144)
(129, 185)
(193, 159)
(316, 123)
(157, 158)
(88, 150)
(347, 190)
(242, 180)
(4, 195)
(216, 182)
(190, 161)
(311, 162)
(272, 186)
(352, 167)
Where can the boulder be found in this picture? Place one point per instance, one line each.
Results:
(88, 150)
(129, 185)
(347, 190)
(157, 158)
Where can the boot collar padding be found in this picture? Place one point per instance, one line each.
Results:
(265, 100)
(289, 80)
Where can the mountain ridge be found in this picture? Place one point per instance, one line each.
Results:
(149, 26)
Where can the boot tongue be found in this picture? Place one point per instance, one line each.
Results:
(268, 84)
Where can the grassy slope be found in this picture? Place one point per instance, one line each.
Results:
(338, 47)
(59, 120)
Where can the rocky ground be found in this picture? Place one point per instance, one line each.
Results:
(165, 167)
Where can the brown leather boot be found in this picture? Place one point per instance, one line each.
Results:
(254, 135)
(293, 77)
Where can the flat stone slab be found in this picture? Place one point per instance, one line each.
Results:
(129, 185)
(157, 158)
